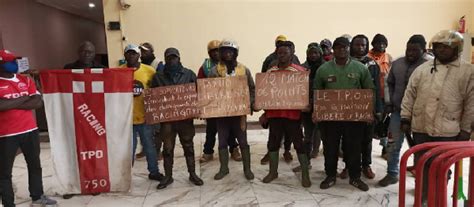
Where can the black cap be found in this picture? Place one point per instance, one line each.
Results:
(171, 51)
(341, 41)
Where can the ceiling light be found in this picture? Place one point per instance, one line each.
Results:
(91, 5)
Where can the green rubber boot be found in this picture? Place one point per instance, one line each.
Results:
(246, 162)
(273, 174)
(304, 163)
(224, 160)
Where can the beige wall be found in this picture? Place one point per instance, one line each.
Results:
(47, 36)
(190, 24)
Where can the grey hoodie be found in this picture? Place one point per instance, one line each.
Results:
(398, 77)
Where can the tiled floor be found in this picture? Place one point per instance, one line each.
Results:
(233, 190)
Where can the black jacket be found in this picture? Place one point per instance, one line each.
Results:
(374, 70)
(163, 78)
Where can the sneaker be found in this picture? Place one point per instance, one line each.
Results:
(206, 158)
(140, 155)
(328, 182)
(368, 173)
(287, 156)
(44, 201)
(298, 168)
(235, 155)
(314, 154)
(358, 183)
(344, 174)
(265, 159)
(155, 176)
(388, 180)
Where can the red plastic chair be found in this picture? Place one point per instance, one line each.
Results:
(444, 167)
(449, 151)
(403, 167)
(433, 149)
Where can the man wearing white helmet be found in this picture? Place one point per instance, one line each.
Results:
(211, 124)
(438, 104)
(235, 125)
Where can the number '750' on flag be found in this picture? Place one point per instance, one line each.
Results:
(89, 115)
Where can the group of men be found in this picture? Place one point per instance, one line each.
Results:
(347, 63)
(432, 98)
(231, 131)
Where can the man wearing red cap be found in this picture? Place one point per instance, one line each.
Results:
(18, 97)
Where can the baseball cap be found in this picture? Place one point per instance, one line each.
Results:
(171, 51)
(146, 46)
(6, 56)
(326, 43)
(132, 47)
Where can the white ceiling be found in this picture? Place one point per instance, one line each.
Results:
(78, 7)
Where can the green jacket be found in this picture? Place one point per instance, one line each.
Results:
(354, 75)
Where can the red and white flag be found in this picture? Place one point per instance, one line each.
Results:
(89, 114)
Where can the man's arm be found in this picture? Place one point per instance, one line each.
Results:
(34, 102)
(390, 84)
(410, 95)
(14, 103)
(468, 111)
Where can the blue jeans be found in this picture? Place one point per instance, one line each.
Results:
(393, 148)
(145, 132)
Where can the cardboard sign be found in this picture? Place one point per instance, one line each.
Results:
(171, 103)
(223, 97)
(344, 105)
(282, 90)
